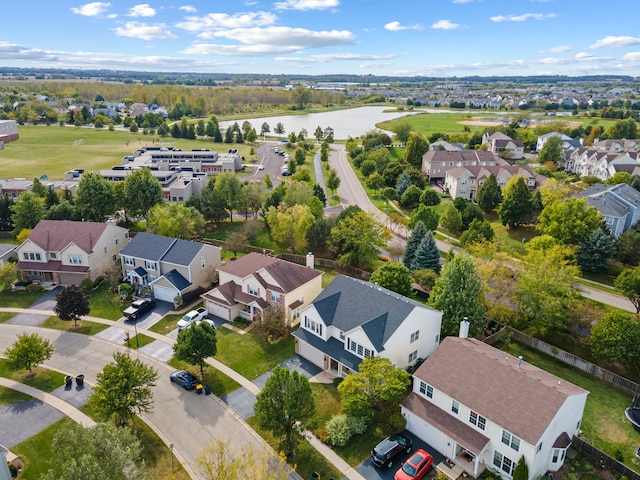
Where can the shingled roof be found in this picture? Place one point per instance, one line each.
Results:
(520, 398)
(55, 235)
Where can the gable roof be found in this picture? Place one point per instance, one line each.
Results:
(158, 248)
(55, 235)
(348, 303)
(288, 276)
(522, 399)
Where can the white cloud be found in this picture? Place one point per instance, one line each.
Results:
(92, 9)
(332, 57)
(462, 1)
(522, 18)
(22, 52)
(142, 10)
(188, 9)
(632, 57)
(218, 21)
(560, 49)
(612, 41)
(306, 4)
(145, 31)
(397, 27)
(445, 25)
(270, 41)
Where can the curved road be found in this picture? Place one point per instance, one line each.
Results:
(352, 193)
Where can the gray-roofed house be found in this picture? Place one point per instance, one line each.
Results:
(484, 408)
(619, 205)
(6, 252)
(251, 283)
(352, 320)
(170, 266)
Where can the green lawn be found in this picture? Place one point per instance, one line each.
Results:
(250, 354)
(36, 452)
(84, 327)
(4, 316)
(45, 380)
(603, 423)
(55, 150)
(8, 395)
(18, 298)
(307, 459)
(166, 324)
(106, 304)
(138, 341)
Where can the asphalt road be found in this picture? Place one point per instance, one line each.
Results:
(179, 417)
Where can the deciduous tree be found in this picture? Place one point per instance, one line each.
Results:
(552, 151)
(27, 212)
(229, 189)
(357, 238)
(628, 283)
(28, 351)
(516, 205)
(416, 146)
(218, 461)
(451, 219)
(426, 215)
(628, 248)
(490, 194)
(71, 304)
(123, 389)
(289, 225)
(478, 231)
(570, 221)
(288, 393)
(430, 198)
(142, 191)
(393, 276)
(95, 198)
(615, 338)
(176, 220)
(195, 344)
(458, 293)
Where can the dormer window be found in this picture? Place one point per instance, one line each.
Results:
(253, 290)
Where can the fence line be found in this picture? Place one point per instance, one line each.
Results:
(327, 263)
(605, 460)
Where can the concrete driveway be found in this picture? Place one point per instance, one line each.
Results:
(45, 302)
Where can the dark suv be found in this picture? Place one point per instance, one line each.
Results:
(389, 449)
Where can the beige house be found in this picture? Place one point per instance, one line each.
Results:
(436, 163)
(66, 252)
(250, 284)
(503, 145)
(170, 266)
(465, 182)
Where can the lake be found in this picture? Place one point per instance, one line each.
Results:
(345, 123)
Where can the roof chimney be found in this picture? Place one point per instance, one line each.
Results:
(310, 260)
(464, 328)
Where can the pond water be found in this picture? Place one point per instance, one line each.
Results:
(345, 123)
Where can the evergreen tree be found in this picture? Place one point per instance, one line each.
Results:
(516, 205)
(416, 147)
(490, 194)
(595, 251)
(427, 255)
(419, 232)
(521, 472)
(403, 183)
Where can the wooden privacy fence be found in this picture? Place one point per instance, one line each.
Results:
(326, 263)
(604, 459)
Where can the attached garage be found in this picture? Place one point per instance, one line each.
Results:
(312, 354)
(164, 294)
(219, 310)
(427, 432)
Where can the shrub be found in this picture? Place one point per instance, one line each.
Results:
(337, 381)
(358, 425)
(338, 430)
(397, 421)
(86, 284)
(34, 287)
(193, 295)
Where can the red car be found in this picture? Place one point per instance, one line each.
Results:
(415, 467)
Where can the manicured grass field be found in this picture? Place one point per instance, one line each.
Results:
(220, 384)
(166, 324)
(106, 304)
(18, 298)
(53, 150)
(250, 354)
(4, 316)
(8, 395)
(603, 423)
(84, 327)
(45, 380)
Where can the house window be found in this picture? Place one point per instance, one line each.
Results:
(477, 420)
(437, 338)
(556, 454)
(455, 407)
(413, 356)
(341, 335)
(117, 241)
(503, 463)
(105, 249)
(203, 263)
(275, 297)
(114, 257)
(539, 447)
(358, 349)
(129, 261)
(31, 256)
(415, 335)
(315, 327)
(423, 388)
(126, 234)
(253, 290)
(510, 440)
(429, 391)
(75, 259)
(149, 265)
(296, 313)
(53, 255)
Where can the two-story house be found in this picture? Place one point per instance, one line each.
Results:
(66, 252)
(503, 145)
(619, 205)
(465, 182)
(436, 163)
(483, 408)
(170, 266)
(352, 320)
(251, 283)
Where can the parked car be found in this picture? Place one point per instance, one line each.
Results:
(139, 307)
(186, 380)
(198, 322)
(192, 316)
(416, 466)
(389, 449)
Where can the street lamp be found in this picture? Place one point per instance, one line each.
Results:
(135, 327)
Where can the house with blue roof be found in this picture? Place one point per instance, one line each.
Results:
(170, 266)
(351, 320)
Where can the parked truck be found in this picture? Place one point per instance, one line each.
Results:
(192, 316)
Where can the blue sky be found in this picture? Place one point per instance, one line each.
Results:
(443, 38)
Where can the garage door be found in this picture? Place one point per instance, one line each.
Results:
(165, 294)
(427, 432)
(218, 310)
(312, 354)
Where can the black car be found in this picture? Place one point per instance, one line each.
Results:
(139, 308)
(389, 449)
(186, 380)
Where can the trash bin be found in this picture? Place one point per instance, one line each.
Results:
(315, 476)
(207, 389)
(80, 380)
(68, 380)
(199, 389)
